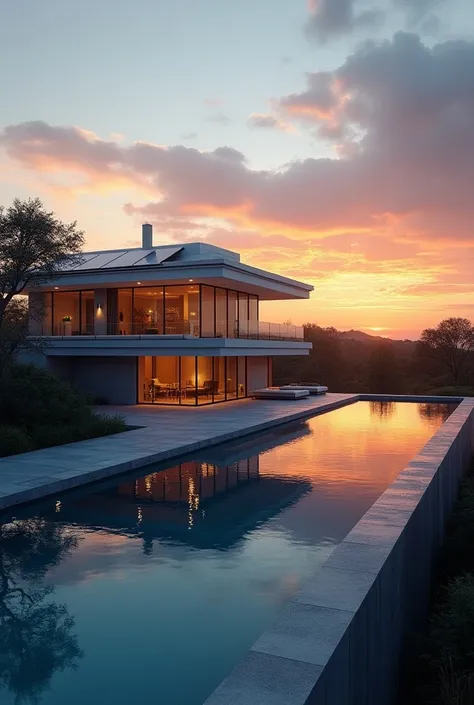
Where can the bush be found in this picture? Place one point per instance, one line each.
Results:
(452, 392)
(40, 410)
(31, 397)
(93, 427)
(13, 440)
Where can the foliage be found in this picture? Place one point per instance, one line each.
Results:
(451, 343)
(40, 410)
(33, 245)
(442, 663)
(383, 369)
(31, 396)
(452, 392)
(13, 440)
(359, 363)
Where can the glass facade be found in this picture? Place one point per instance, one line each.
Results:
(72, 313)
(191, 381)
(194, 309)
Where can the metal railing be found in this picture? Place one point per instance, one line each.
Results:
(248, 330)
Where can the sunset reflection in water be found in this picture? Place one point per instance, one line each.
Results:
(179, 571)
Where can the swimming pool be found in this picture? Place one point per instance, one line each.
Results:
(150, 588)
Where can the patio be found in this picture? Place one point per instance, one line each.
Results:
(165, 433)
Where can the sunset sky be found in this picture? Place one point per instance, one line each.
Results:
(330, 141)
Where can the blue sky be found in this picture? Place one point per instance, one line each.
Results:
(191, 73)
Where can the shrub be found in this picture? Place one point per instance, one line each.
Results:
(31, 397)
(93, 427)
(47, 436)
(14, 440)
(40, 410)
(451, 628)
(452, 392)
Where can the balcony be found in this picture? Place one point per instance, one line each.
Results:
(247, 330)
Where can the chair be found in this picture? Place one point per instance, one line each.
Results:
(208, 386)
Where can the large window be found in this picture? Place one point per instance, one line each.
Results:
(232, 315)
(243, 315)
(182, 310)
(253, 317)
(192, 309)
(207, 312)
(221, 313)
(73, 312)
(191, 381)
(147, 311)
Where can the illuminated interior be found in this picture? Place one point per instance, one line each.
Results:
(190, 380)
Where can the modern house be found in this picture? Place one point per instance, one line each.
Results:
(172, 324)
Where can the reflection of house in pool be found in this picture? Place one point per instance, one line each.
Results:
(208, 505)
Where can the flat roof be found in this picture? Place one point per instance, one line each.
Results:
(166, 264)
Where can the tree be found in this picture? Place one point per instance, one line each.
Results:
(34, 244)
(384, 377)
(450, 343)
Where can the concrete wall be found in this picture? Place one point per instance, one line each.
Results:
(257, 373)
(340, 639)
(113, 378)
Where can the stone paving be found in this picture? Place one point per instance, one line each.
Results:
(166, 432)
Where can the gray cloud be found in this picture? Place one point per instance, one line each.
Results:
(402, 109)
(266, 121)
(219, 119)
(417, 10)
(333, 18)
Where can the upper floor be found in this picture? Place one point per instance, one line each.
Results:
(195, 289)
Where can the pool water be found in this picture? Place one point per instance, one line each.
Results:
(148, 589)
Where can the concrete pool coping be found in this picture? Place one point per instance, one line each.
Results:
(39, 474)
(176, 431)
(325, 648)
(338, 641)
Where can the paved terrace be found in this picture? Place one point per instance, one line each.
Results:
(167, 432)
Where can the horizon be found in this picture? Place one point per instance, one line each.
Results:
(330, 142)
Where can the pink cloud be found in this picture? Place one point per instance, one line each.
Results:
(402, 112)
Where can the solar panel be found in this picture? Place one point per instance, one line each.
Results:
(121, 258)
(100, 261)
(81, 259)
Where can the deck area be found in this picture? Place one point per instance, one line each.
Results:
(165, 433)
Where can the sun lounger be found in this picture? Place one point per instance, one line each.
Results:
(311, 388)
(277, 393)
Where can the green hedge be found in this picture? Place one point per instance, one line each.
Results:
(39, 410)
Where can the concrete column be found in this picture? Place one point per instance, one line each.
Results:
(100, 311)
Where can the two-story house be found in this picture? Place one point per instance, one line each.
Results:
(172, 324)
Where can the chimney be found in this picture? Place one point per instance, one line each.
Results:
(147, 236)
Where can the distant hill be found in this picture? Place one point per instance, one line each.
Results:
(367, 338)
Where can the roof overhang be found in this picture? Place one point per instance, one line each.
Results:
(222, 273)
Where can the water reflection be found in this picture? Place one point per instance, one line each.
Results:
(382, 409)
(435, 412)
(197, 502)
(190, 562)
(36, 634)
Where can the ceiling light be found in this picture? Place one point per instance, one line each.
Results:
(56, 287)
(138, 282)
(191, 280)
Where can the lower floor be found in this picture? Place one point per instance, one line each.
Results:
(163, 379)
(193, 380)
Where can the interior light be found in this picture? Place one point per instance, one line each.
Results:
(191, 280)
(56, 287)
(138, 282)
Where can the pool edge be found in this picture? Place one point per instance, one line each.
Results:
(344, 628)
